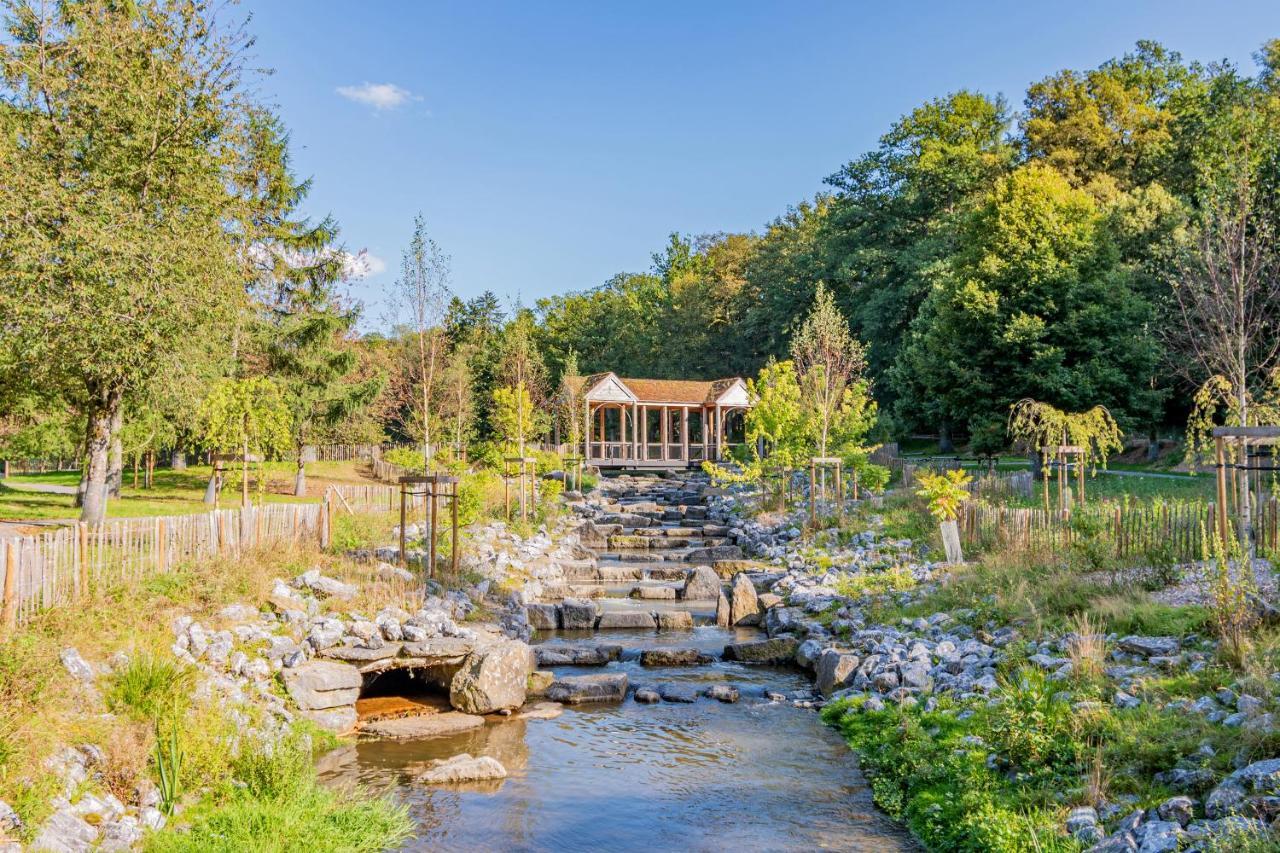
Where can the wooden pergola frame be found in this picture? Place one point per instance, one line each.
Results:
(430, 487)
(1244, 437)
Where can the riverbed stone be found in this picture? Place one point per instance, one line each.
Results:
(462, 768)
(744, 607)
(674, 657)
(539, 681)
(494, 678)
(577, 614)
(775, 650)
(582, 689)
(576, 655)
(1149, 646)
(624, 619)
(318, 685)
(423, 726)
(539, 711)
(726, 693)
(703, 584)
(646, 695)
(713, 553)
(678, 693)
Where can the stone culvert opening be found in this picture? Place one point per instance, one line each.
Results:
(402, 692)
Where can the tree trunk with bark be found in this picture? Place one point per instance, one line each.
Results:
(97, 450)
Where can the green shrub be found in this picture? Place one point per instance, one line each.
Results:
(1029, 726)
(149, 687)
(1092, 548)
(405, 457)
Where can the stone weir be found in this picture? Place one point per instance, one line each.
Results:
(659, 558)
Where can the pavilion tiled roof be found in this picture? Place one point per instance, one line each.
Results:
(688, 391)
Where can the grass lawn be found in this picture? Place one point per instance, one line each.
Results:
(175, 492)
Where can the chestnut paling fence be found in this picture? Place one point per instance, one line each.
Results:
(1136, 530)
(61, 566)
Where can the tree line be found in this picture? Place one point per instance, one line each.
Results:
(1073, 252)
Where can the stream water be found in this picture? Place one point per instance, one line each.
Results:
(706, 776)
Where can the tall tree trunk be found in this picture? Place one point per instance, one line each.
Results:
(151, 469)
(178, 461)
(115, 471)
(945, 444)
(84, 471)
(98, 443)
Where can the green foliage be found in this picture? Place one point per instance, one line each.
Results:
(1039, 426)
(168, 758)
(149, 687)
(945, 492)
(279, 807)
(246, 413)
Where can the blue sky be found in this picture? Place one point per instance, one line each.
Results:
(551, 145)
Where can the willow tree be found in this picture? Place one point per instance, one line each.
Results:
(249, 416)
(118, 127)
(1041, 426)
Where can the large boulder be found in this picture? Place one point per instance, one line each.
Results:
(723, 611)
(714, 553)
(318, 685)
(494, 678)
(835, 670)
(776, 650)
(1150, 646)
(675, 620)
(582, 689)
(744, 607)
(703, 584)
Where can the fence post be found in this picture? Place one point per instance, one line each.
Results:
(82, 532)
(327, 538)
(10, 584)
(162, 546)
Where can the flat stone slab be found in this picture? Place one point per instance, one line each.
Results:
(623, 619)
(582, 689)
(450, 648)
(654, 593)
(576, 655)
(427, 725)
(776, 650)
(675, 620)
(714, 553)
(356, 654)
(539, 711)
(682, 693)
(674, 657)
(319, 685)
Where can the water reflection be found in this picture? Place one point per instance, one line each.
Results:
(702, 776)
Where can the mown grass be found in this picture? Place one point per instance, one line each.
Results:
(173, 492)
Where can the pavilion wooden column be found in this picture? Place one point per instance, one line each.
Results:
(604, 451)
(666, 432)
(635, 436)
(719, 432)
(586, 430)
(644, 432)
(702, 419)
(684, 431)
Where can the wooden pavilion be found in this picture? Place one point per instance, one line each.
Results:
(658, 423)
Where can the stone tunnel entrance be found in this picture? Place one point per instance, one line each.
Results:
(403, 692)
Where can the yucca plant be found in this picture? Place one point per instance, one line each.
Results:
(169, 766)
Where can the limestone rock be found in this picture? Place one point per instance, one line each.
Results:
(621, 619)
(776, 650)
(723, 611)
(726, 693)
(675, 620)
(318, 685)
(577, 615)
(539, 681)
(1262, 778)
(581, 689)
(679, 693)
(339, 720)
(543, 617)
(703, 584)
(462, 768)
(835, 670)
(744, 608)
(673, 657)
(494, 678)
(426, 725)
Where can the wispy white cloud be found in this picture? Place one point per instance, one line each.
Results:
(380, 96)
(364, 264)
(357, 266)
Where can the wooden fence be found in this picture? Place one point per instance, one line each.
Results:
(61, 566)
(1135, 530)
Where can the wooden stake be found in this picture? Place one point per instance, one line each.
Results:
(10, 584)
